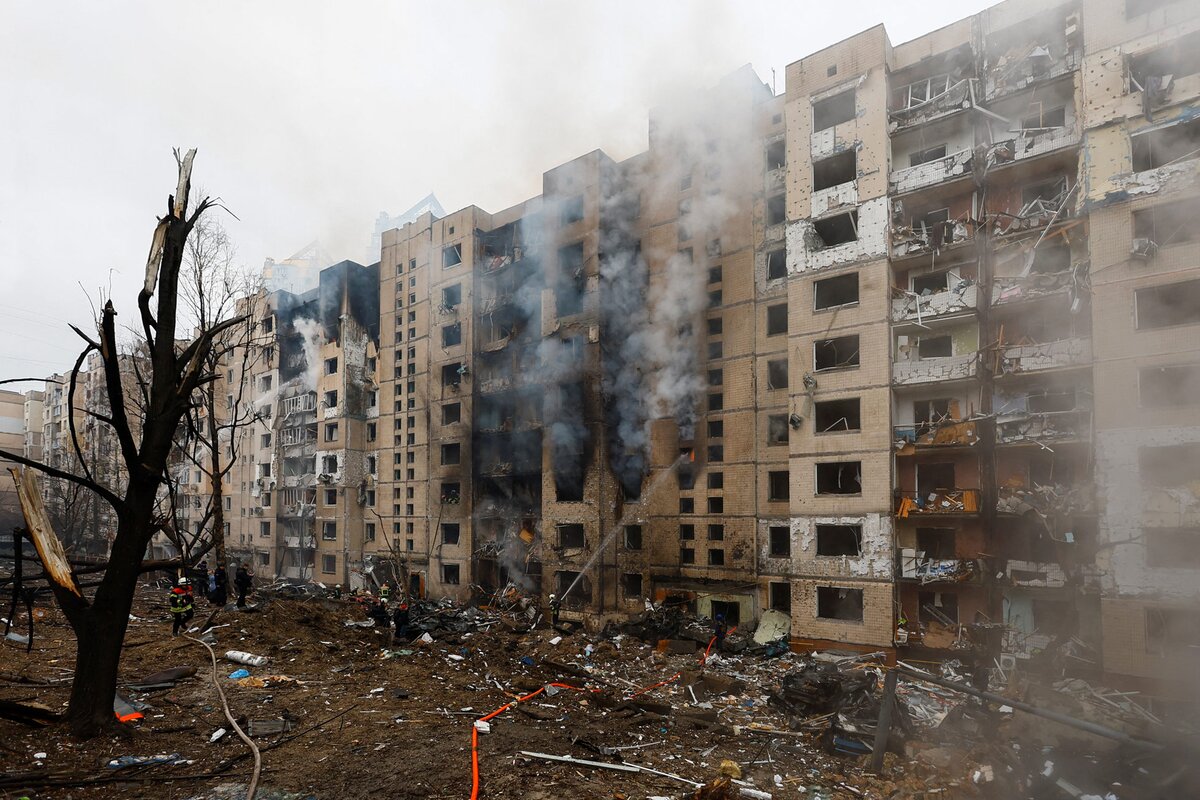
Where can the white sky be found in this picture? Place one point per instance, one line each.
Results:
(312, 117)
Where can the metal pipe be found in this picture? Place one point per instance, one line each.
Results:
(1078, 724)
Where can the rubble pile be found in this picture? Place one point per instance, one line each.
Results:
(498, 700)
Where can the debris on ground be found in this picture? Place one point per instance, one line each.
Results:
(496, 696)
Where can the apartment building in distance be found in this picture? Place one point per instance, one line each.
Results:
(13, 438)
(302, 492)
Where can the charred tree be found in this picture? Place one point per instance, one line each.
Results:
(175, 372)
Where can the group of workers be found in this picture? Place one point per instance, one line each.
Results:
(216, 586)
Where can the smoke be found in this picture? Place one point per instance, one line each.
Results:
(305, 361)
(652, 348)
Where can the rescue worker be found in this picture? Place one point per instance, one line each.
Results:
(242, 581)
(401, 620)
(182, 605)
(719, 631)
(555, 607)
(220, 584)
(385, 593)
(337, 592)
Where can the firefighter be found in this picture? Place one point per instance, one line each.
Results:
(182, 605)
(719, 631)
(400, 619)
(220, 584)
(385, 593)
(555, 607)
(242, 581)
(337, 592)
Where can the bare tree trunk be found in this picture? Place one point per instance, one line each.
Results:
(216, 479)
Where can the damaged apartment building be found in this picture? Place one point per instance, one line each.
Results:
(907, 347)
(302, 504)
(991, 233)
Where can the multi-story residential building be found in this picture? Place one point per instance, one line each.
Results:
(13, 439)
(302, 502)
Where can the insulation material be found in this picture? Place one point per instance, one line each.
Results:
(806, 251)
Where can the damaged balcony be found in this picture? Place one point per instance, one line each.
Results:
(1047, 500)
(942, 295)
(936, 356)
(1032, 53)
(928, 99)
(941, 434)
(1044, 356)
(503, 247)
(1048, 575)
(1026, 427)
(916, 565)
(936, 226)
(936, 502)
(931, 170)
(1029, 201)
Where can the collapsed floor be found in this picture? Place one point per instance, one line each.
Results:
(337, 714)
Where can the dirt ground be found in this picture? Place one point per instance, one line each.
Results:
(369, 723)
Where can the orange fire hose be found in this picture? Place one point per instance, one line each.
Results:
(496, 713)
(704, 658)
(655, 686)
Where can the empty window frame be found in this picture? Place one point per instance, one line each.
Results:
(936, 543)
(451, 413)
(451, 453)
(1168, 305)
(935, 347)
(776, 264)
(1177, 59)
(1170, 465)
(833, 110)
(450, 574)
(716, 480)
(836, 230)
(716, 557)
(687, 555)
(687, 532)
(776, 209)
(835, 170)
(1158, 148)
(927, 155)
(779, 541)
(1172, 548)
(1167, 224)
(838, 353)
(328, 563)
(451, 374)
(835, 292)
(451, 256)
(452, 334)
(777, 429)
(716, 428)
(839, 540)
(830, 416)
(631, 584)
(329, 531)
(716, 531)
(839, 477)
(452, 296)
(1174, 631)
(777, 374)
(776, 155)
(1169, 385)
(780, 597)
(570, 536)
(777, 319)
(778, 486)
(572, 210)
(450, 532)
(835, 602)
(633, 537)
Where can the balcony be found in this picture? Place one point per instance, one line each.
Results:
(1020, 288)
(1049, 426)
(1031, 144)
(915, 566)
(295, 542)
(937, 501)
(1031, 358)
(935, 370)
(1049, 500)
(931, 173)
(955, 97)
(937, 238)
(1036, 574)
(920, 308)
(947, 433)
(1025, 65)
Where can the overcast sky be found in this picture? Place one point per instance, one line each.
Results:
(312, 117)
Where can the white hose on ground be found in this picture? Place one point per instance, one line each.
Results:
(250, 791)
